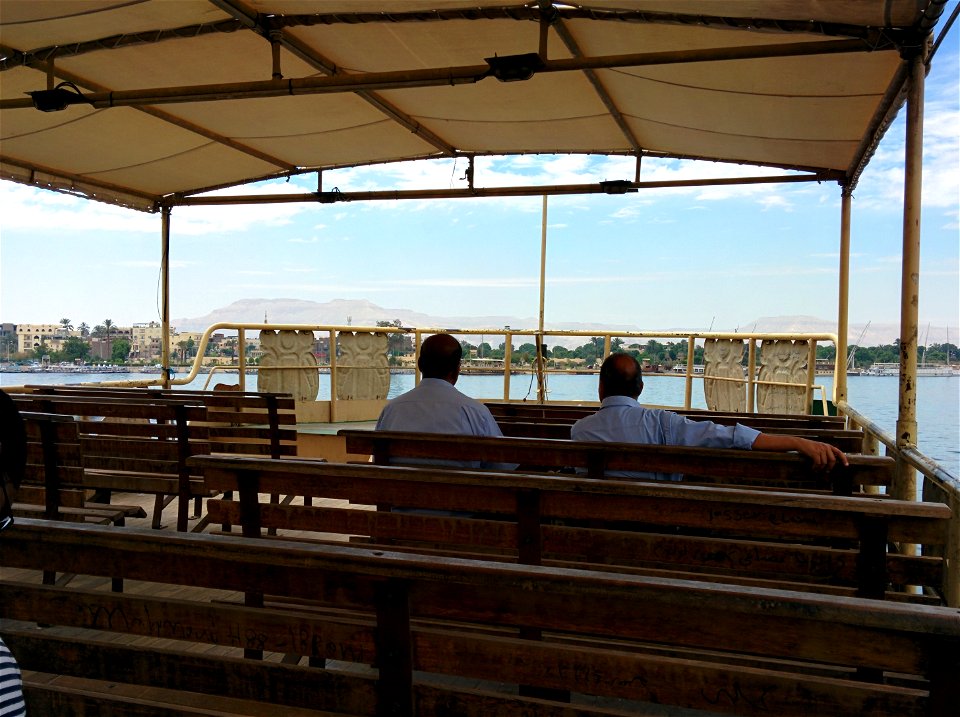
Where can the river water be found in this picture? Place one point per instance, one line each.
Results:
(938, 397)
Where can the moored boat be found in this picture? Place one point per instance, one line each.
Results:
(893, 369)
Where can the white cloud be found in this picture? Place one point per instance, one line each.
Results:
(776, 201)
(27, 208)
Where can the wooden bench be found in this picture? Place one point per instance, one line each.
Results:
(134, 446)
(758, 468)
(235, 422)
(572, 412)
(802, 542)
(53, 485)
(848, 441)
(231, 423)
(430, 636)
(555, 421)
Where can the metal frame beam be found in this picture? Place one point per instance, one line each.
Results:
(434, 77)
(477, 192)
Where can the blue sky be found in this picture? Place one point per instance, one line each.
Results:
(656, 259)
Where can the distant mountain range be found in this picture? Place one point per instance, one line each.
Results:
(342, 312)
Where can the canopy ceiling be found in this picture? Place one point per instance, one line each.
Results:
(190, 95)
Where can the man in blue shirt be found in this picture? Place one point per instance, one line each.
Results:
(436, 406)
(622, 419)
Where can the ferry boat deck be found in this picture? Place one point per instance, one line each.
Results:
(157, 106)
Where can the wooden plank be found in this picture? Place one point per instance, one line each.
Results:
(847, 441)
(713, 463)
(270, 682)
(617, 636)
(662, 680)
(734, 532)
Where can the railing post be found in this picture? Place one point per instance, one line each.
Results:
(906, 485)
(843, 301)
(688, 388)
(165, 295)
(242, 362)
(332, 350)
(507, 360)
(811, 374)
(952, 552)
(752, 375)
(869, 447)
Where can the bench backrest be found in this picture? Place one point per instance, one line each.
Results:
(132, 445)
(848, 441)
(691, 644)
(815, 542)
(242, 423)
(721, 465)
(131, 434)
(572, 412)
(54, 475)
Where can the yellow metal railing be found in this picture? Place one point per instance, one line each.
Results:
(536, 366)
(938, 486)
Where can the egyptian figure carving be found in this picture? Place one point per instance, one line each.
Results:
(782, 361)
(290, 364)
(721, 359)
(362, 369)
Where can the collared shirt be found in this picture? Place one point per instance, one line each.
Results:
(11, 691)
(436, 406)
(621, 419)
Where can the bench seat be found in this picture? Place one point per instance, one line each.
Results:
(447, 636)
(727, 466)
(805, 542)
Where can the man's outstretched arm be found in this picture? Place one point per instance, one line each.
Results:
(823, 455)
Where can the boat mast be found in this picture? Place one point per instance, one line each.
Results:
(850, 360)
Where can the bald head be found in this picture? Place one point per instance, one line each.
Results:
(620, 376)
(440, 356)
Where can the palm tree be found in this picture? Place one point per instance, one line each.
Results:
(67, 326)
(84, 329)
(107, 325)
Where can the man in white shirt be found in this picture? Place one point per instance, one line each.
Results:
(622, 419)
(436, 406)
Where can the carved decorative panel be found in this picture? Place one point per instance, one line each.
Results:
(783, 361)
(722, 360)
(362, 368)
(290, 363)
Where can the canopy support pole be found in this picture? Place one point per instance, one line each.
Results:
(906, 488)
(843, 302)
(541, 379)
(165, 296)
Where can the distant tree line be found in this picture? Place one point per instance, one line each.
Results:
(657, 353)
(865, 356)
(78, 349)
(589, 353)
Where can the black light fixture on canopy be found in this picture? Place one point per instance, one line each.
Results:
(64, 94)
(512, 68)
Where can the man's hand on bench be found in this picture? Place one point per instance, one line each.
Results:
(823, 456)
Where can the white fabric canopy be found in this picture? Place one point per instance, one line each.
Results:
(415, 87)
